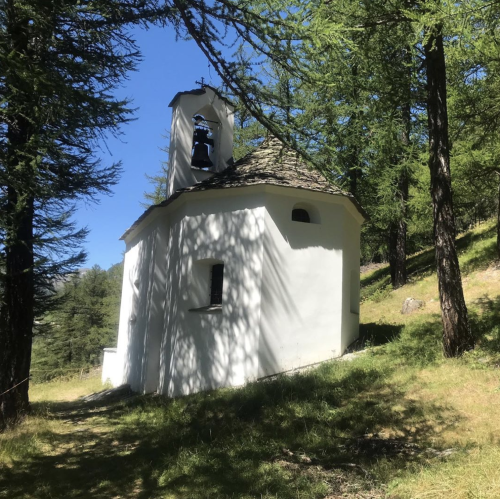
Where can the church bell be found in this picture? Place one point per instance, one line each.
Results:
(201, 158)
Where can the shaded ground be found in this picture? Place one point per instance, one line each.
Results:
(319, 434)
(398, 421)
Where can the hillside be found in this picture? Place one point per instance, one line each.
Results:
(398, 420)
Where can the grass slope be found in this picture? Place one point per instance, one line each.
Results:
(398, 421)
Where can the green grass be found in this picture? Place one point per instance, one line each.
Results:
(377, 426)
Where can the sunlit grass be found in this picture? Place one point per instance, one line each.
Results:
(399, 421)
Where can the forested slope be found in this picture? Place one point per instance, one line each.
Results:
(397, 420)
(83, 321)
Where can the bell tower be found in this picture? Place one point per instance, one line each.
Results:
(201, 136)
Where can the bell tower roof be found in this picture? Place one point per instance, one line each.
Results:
(200, 91)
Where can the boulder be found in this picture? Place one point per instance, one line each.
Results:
(410, 305)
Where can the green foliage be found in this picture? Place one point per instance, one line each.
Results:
(83, 323)
(158, 183)
(60, 64)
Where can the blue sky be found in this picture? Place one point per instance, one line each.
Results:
(168, 66)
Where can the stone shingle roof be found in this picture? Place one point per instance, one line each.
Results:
(272, 163)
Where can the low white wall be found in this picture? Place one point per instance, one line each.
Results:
(109, 366)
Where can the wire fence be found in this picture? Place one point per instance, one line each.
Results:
(72, 373)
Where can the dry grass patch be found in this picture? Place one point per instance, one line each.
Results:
(473, 396)
(67, 390)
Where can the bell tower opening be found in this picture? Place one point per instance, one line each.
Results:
(203, 141)
(201, 137)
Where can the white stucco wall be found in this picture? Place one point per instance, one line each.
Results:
(287, 297)
(302, 283)
(142, 308)
(202, 349)
(350, 276)
(108, 365)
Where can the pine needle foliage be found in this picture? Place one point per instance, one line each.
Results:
(60, 63)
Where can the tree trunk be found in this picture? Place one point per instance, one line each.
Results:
(397, 253)
(398, 229)
(354, 171)
(16, 315)
(457, 337)
(16, 309)
(498, 220)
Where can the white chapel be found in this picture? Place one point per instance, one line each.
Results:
(247, 269)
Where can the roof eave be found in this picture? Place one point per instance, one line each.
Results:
(177, 194)
(200, 91)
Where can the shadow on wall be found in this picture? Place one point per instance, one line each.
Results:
(145, 325)
(204, 350)
(176, 348)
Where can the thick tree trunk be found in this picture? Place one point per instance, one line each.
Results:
(16, 316)
(16, 308)
(457, 337)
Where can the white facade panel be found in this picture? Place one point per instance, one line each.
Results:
(301, 285)
(350, 279)
(209, 349)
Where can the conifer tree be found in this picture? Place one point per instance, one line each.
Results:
(59, 64)
(331, 25)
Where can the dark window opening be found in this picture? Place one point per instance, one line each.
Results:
(217, 284)
(300, 215)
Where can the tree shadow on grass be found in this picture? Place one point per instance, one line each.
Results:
(270, 439)
(375, 334)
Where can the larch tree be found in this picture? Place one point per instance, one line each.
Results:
(271, 29)
(59, 64)
(457, 335)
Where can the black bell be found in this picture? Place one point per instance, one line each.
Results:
(200, 156)
(201, 142)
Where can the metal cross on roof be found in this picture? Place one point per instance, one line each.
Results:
(202, 82)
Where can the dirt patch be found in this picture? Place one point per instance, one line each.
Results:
(491, 273)
(345, 482)
(370, 267)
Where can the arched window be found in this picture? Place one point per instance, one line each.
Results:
(300, 215)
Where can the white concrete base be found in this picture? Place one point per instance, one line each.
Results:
(109, 366)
